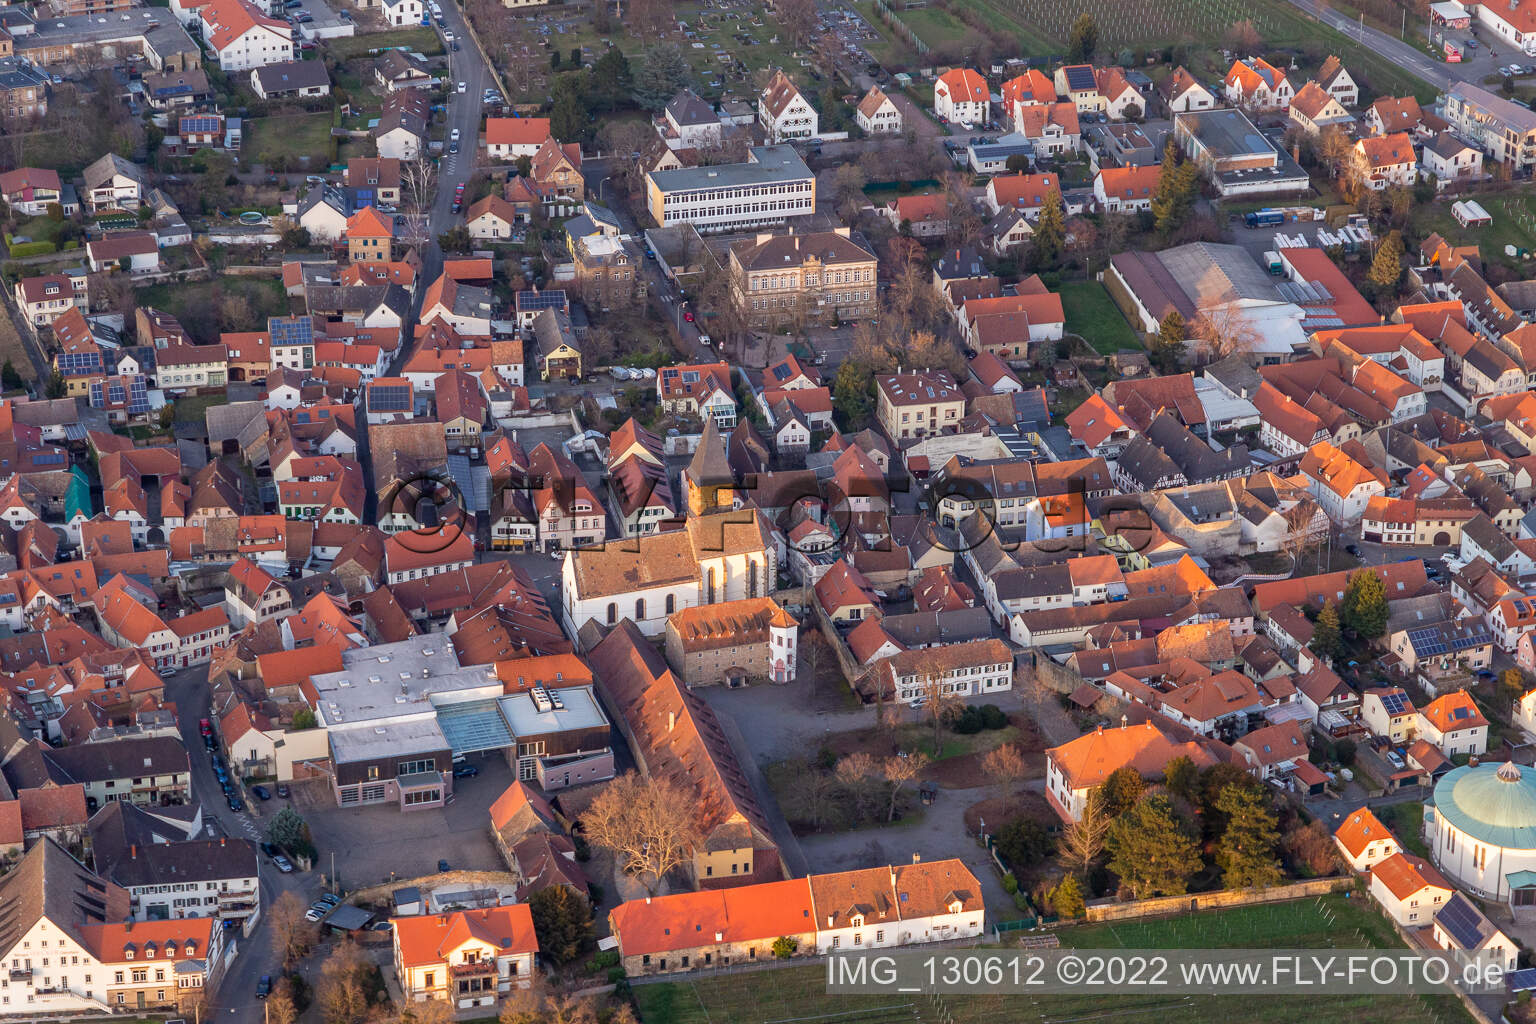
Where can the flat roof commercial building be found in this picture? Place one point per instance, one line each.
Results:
(1237, 158)
(772, 186)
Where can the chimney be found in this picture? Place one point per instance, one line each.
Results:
(133, 852)
(917, 858)
(222, 841)
(1125, 720)
(671, 720)
(647, 901)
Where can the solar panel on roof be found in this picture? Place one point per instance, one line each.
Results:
(1080, 76)
(1459, 920)
(291, 330)
(1521, 981)
(530, 301)
(389, 398)
(1427, 641)
(200, 123)
(1394, 703)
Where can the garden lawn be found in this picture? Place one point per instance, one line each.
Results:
(1514, 223)
(1093, 315)
(1407, 823)
(194, 303)
(293, 135)
(422, 40)
(799, 993)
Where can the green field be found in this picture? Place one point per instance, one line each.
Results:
(1093, 315)
(798, 993)
(1040, 28)
(1514, 223)
(422, 40)
(199, 306)
(295, 135)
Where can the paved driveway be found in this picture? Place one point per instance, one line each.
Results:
(380, 843)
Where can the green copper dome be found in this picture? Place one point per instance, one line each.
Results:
(1491, 803)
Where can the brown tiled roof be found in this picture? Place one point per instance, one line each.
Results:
(675, 736)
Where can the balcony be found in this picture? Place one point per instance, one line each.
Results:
(479, 969)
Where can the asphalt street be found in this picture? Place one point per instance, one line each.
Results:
(235, 999)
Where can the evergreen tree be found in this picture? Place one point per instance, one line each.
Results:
(1325, 632)
(850, 390)
(1178, 185)
(611, 80)
(1246, 853)
(1387, 268)
(1151, 850)
(1120, 791)
(1084, 39)
(1067, 898)
(1168, 347)
(1050, 229)
(1182, 778)
(562, 922)
(568, 118)
(663, 71)
(1365, 604)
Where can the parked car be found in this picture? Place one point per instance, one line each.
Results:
(282, 791)
(264, 986)
(688, 315)
(454, 135)
(234, 804)
(270, 849)
(443, 865)
(465, 771)
(283, 864)
(453, 147)
(315, 913)
(328, 900)
(462, 86)
(1353, 549)
(205, 727)
(262, 791)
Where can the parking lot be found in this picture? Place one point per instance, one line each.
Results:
(381, 843)
(315, 19)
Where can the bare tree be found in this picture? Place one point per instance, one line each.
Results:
(898, 772)
(799, 18)
(816, 788)
(1300, 537)
(965, 222)
(652, 17)
(1244, 37)
(1224, 329)
(649, 823)
(1083, 841)
(929, 351)
(858, 772)
(1005, 763)
(113, 293)
(280, 1008)
(418, 185)
(525, 1005)
(427, 1011)
(340, 992)
(848, 189)
(292, 936)
(940, 704)
(624, 138)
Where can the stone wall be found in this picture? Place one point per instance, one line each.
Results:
(1112, 910)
